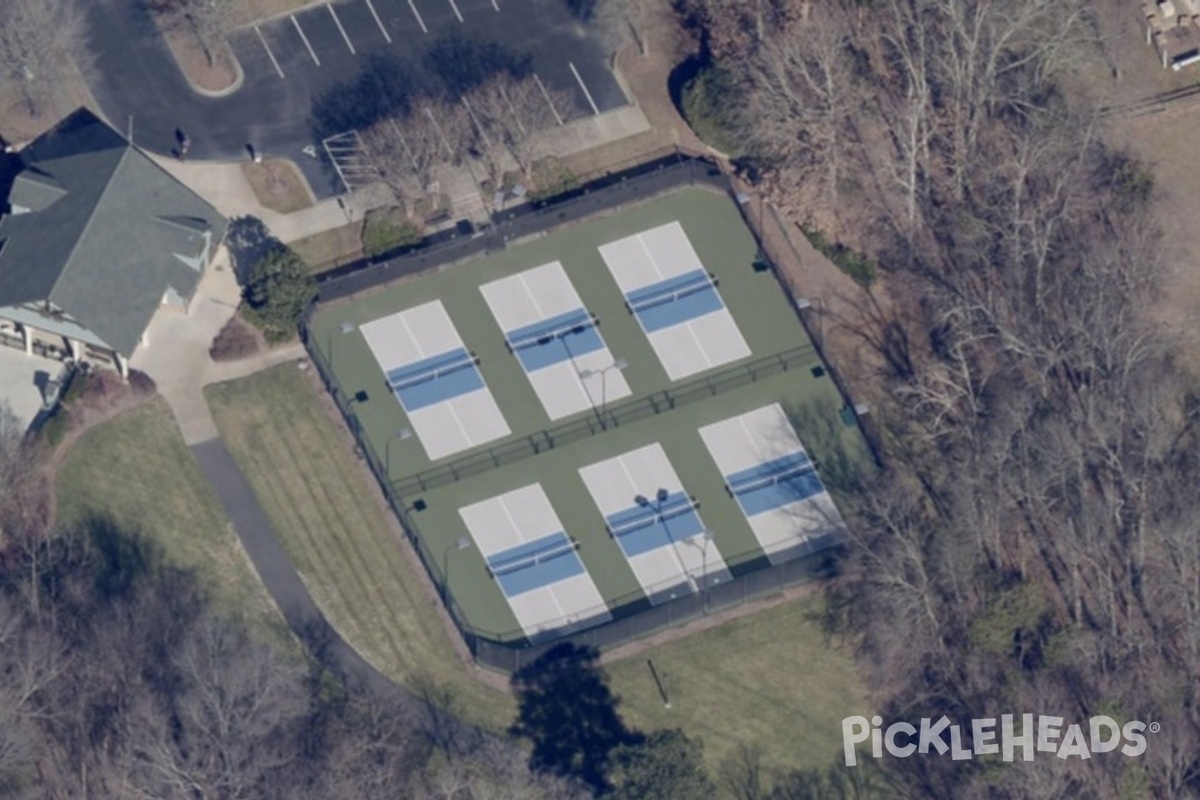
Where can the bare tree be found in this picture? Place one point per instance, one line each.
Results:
(235, 710)
(207, 20)
(514, 114)
(804, 96)
(41, 41)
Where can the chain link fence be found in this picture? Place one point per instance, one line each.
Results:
(632, 617)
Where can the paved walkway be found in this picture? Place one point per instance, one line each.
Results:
(177, 358)
(224, 185)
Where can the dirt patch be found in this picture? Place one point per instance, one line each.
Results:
(278, 185)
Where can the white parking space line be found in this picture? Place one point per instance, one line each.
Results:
(417, 14)
(495, 6)
(270, 55)
(456, 11)
(478, 127)
(338, 22)
(546, 95)
(311, 52)
(583, 86)
(378, 22)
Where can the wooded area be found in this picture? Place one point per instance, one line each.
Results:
(1033, 545)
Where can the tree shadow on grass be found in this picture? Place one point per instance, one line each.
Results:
(569, 713)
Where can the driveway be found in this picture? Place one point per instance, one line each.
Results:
(303, 71)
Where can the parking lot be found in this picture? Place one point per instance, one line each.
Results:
(329, 44)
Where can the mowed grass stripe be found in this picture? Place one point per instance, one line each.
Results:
(358, 598)
(368, 595)
(322, 505)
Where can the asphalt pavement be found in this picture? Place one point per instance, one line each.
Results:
(309, 74)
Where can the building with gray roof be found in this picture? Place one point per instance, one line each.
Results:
(95, 239)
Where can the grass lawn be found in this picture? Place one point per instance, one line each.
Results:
(136, 470)
(278, 185)
(769, 680)
(346, 549)
(330, 249)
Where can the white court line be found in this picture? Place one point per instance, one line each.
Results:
(516, 528)
(688, 323)
(270, 55)
(338, 22)
(678, 562)
(475, 120)
(495, 6)
(758, 453)
(532, 299)
(562, 614)
(653, 261)
(379, 22)
(450, 405)
(699, 344)
(545, 94)
(583, 86)
(416, 342)
(417, 14)
(300, 30)
(456, 12)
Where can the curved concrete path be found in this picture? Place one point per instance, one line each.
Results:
(178, 361)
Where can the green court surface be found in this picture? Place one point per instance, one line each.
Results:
(758, 306)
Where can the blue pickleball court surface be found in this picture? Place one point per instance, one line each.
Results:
(675, 300)
(535, 562)
(435, 379)
(555, 340)
(776, 485)
(655, 522)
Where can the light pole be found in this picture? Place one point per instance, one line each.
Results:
(345, 328)
(619, 365)
(461, 543)
(401, 434)
(708, 537)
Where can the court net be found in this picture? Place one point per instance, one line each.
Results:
(456, 364)
(511, 565)
(755, 484)
(702, 283)
(676, 507)
(572, 327)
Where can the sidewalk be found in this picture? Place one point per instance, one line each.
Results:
(224, 185)
(177, 354)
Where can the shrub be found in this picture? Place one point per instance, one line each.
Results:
(387, 230)
(280, 289)
(141, 384)
(551, 177)
(708, 101)
(236, 340)
(857, 265)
